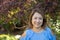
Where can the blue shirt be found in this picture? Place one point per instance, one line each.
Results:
(43, 35)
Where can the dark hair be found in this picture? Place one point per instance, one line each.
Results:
(41, 11)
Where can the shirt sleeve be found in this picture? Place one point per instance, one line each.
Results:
(28, 35)
(22, 38)
(25, 37)
(50, 35)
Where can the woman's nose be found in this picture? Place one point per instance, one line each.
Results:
(37, 20)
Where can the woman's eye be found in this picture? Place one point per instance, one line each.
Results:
(35, 18)
(40, 18)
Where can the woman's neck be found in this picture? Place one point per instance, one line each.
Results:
(37, 29)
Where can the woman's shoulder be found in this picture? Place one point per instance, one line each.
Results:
(48, 29)
(50, 33)
(27, 32)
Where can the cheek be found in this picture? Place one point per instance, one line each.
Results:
(33, 22)
(41, 21)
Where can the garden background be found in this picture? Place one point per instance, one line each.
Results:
(14, 16)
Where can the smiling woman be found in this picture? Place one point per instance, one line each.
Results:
(37, 20)
(38, 27)
(37, 15)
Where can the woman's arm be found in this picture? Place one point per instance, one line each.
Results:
(23, 36)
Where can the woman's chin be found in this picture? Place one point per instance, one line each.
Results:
(37, 26)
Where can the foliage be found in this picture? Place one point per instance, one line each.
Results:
(14, 8)
(7, 37)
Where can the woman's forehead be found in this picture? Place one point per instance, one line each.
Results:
(36, 14)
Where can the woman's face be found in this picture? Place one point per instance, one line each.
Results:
(37, 20)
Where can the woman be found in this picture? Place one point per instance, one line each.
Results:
(38, 29)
